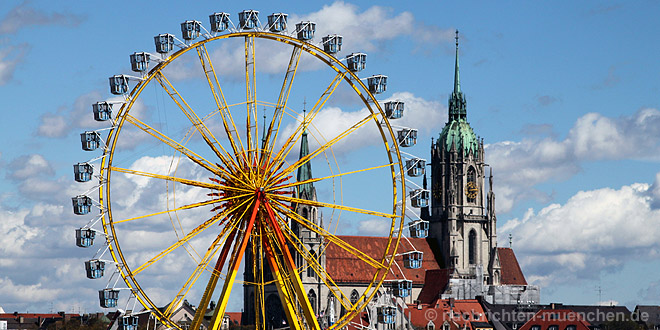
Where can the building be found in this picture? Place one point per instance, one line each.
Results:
(556, 319)
(461, 256)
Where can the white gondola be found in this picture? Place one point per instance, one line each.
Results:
(332, 43)
(248, 19)
(277, 22)
(108, 298)
(356, 62)
(419, 228)
(402, 288)
(413, 259)
(139, 61)
(94, 268)
(377, 83)
(306, 30)
(190, 30)
(386, 314)
(420, 197)
(128, 322)
(81, 204)
(407, 137)
(82, 172)
(118, 84)
(102, 111)
(164, 43)
(85, 237)
(416, 167)
(219, 22)
(394, 109)
(90, 140)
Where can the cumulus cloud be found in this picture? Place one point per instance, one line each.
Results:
(28, 166)
(521, 166)
(25, 15)
(593, 231)
(10, 58)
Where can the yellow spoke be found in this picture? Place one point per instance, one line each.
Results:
(185, 207)
(295, 136)
(333, 206)
(179, 180)
(328, 236)
(176, 146)
(220, 101)
(298, 183)
(251, 96)
(199, 125)
(189, 236)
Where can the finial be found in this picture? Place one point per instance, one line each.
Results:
(456, 38)
(510, 240)
(457, 84)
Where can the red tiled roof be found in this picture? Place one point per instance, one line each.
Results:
(559, 317)
(511, 272)
(461, 314)
(435, 283)
(344, 267)
(234, 317)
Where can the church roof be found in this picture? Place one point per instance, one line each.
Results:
(344, 267)
(561, 318)
(435, 283)
(511, 272)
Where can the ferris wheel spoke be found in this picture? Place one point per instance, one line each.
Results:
(334, 206)
(324, 147)
(189, 236)
(252, 130)
(176, 146)
(327, 235)
(283, 99)
(193, 183)
(297, 133)
(220, 101)
(199, 125)
(185, 207)
(312, 180)
(313, 262)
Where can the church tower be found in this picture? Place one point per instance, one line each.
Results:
(462, 219)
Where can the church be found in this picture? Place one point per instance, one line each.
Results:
(461, 256)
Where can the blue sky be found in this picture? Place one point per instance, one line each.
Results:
(565, 95)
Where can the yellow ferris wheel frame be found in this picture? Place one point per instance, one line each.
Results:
(250, 152)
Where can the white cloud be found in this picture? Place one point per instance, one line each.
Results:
(520, 166)
(593, 231)
(24, 15)
(10, 58)
(29, 166)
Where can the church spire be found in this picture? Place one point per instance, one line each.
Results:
(305, 170)
(457, 109)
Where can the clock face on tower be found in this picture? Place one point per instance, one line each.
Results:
(437, 193)
(471, 190)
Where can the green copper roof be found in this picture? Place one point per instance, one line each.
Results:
(304, 171)
(458, 131)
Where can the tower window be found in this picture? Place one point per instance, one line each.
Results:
(311, 295)
(354, 296)
(472, 247)
(471, 188)
(310, 269)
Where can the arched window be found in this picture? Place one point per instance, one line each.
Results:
(471, 187)
(310, 269)
(472, 247)
(354, 296)
(311, 295)
(305, 213)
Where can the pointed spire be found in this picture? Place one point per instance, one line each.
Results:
(425, 215)
(457, 83)
(305, 170)
(263, 133)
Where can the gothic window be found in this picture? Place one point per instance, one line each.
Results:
(472, 247)
(471, 186)
(305, 213)
(311, 295)
(310, 269)
(354, 296)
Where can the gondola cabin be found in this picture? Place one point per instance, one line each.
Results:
(402, 288)
(82, 172)
(164, 43)
(94, 268)
(386, 314)
(219, 22)
(108, 298)
(415, 167)
(90, 140)
(85, 237)
(102, 111)
(305, 30)
(419, 197)
(81, 204)
(128, 322)
(356, 62)
(419, 229)
(407, 137)
(248, 19)
(394, 109)
(377, 83)
(118, 84)
(413, 259)
(332, 43)
(277, 22)
(139, 61)
(190, 30)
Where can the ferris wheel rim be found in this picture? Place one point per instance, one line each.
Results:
(107, 159)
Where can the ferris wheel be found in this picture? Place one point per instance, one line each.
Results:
(198, 173)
